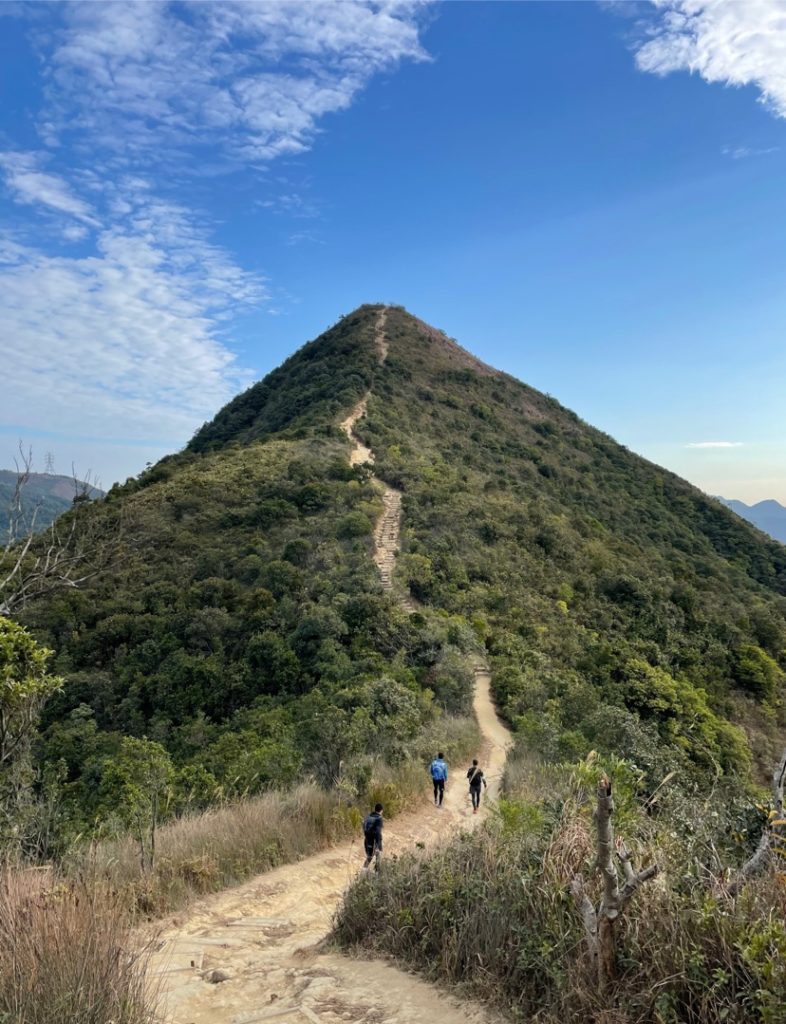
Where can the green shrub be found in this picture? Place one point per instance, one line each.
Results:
(356, 524)
(757, 672)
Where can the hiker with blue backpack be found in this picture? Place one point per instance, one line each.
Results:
(372, 836)
(439, 776)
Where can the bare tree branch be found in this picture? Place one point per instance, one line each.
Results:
(71, 551)
(17, 524)
(633, 879)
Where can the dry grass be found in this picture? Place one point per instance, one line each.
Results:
(222, 846)
(65, 954)
(65, 948)
(226, 845)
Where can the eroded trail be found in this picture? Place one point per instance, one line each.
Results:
(265, 936)
(388, 528)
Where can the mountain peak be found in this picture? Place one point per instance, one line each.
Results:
(250, 611)
(310, 388)
(333, 372)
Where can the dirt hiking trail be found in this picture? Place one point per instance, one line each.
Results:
(266, 936)
(388, 528)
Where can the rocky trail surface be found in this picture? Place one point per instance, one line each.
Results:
(264, 938)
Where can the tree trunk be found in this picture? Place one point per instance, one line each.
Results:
(607, 952)
(601, 925)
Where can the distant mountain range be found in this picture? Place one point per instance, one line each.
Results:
(52, 494)
(769, 516)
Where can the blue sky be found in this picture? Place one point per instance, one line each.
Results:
(589, 196)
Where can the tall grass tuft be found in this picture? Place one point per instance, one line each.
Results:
(222, 846)
(66, 954)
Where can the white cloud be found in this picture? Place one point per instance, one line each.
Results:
(307, 237)
(74, 232)
(736, 42)
(29, 184)
(290, 204)
(252, 77)
(132, 342)
(743, 152)
(127, 342)
(715, 444)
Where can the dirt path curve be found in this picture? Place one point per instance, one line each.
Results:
(265, 935)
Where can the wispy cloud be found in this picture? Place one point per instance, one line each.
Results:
(735, 43)
(126, 341)
(133, 337)
(254, 78)
(305, 237)
(29, 184)
(291, 204)
(74, 232)
(744, 152)
(715, 444)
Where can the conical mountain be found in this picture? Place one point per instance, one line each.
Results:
(244, 624)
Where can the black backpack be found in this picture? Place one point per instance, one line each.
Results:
(370, 826)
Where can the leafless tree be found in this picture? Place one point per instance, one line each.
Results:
(601, 923)
(64, 556)
(84, 486)
(19, 522)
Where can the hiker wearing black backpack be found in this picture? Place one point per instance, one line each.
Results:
(476, 779)
(372, 836)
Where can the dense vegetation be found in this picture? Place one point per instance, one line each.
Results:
(622, 608)
(241, 640)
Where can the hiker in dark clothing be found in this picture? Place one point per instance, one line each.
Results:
(372, 836)
(439, 776)
(476, 778)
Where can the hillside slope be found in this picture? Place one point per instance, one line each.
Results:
(625, 609)
(244, 626)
